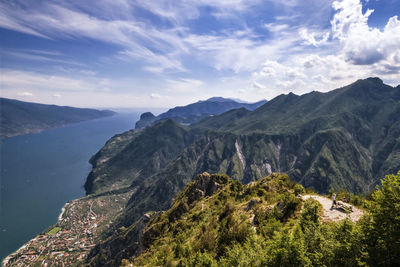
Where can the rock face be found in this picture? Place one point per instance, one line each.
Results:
(204, 185)
(146, 118)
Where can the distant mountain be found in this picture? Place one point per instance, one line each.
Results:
(197, 111)
(18, 117)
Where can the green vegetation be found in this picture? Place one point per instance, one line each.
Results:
(54, 231)
(17, 117)
(382, 226)
(264, 224)
(340, 139)
(346, 139)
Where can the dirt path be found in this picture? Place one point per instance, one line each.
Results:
(334, 214)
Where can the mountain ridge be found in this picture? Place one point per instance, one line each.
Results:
(288, 123)
(346, 139)
(19, 117)
(322, 140)
(197, 111)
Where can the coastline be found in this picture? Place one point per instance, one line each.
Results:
(93, 134)
(70, 240)
(5, 261)
(50, 127)
(63, 211)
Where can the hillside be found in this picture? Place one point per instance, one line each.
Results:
(197, 111)
(344, 139)
(216, 221)
(18, 117)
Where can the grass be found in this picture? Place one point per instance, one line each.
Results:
(54, 231)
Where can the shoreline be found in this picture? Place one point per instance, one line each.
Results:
(62, 211)
(5, 261)
(9, 256)
(70, 240)
(40, 130)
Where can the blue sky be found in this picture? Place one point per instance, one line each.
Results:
(163, 53)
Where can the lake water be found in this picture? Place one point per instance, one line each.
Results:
(41, 172)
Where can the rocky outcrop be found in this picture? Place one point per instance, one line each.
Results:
(146, 118)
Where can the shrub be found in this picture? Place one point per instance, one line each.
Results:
(202, 259)
(298, 189)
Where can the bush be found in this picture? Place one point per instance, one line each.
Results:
(202, 259)
(310, 215)
(290, 204)
(299, 189)
(268, 227)
(251, 253)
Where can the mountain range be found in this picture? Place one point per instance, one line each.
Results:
(18, 117)
(347, 139)
(197, 111)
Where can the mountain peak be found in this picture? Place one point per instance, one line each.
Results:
(219, 99)
(370, 80)
(197, 111)
(375, 80)
(146, 116)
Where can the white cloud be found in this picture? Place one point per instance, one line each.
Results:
(296, 53)
(258, 85)
(88, 72)
(159, 49)
(156, 63)
(314, 38)
(82, 91)
(9, 22)
(182, 10)
(25, 94)
(133, 36)
(276, 27)
(362, 44)
(239, 54)
(155, 96)
(351, 50)
(41, 56)
(312, 61)
(14, 79)
(183, 86)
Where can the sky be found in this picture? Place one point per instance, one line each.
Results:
(164, 53)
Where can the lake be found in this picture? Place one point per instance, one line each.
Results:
(41, 172)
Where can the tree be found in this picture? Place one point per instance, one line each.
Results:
(382, 229)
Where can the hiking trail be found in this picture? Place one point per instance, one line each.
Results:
(335, 214)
